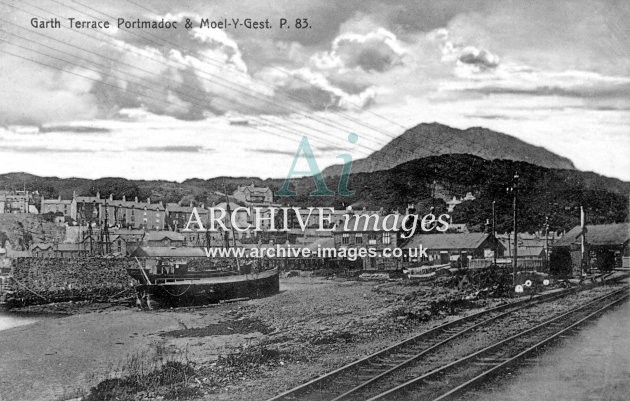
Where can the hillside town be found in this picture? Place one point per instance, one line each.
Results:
(104, 226)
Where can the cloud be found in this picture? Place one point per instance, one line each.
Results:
(375, 51)
(33, 94)
(77, 129)
(479, 58)
(273, 152)
(44, 149)
(173, 149)
(602, 91)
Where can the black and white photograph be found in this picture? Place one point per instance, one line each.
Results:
(314, 200)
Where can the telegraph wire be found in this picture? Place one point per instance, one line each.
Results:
(356, 120)
(387, 136)
(106, 68)
(246, 90)
(458, 137)
(118, 87)
(284, 122)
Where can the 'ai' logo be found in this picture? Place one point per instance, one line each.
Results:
(322, 189)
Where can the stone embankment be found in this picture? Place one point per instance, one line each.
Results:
(46, 280)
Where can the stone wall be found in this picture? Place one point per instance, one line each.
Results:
(40, 280)
(22, 230)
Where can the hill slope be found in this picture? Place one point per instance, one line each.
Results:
(543, 192)
(434, 139)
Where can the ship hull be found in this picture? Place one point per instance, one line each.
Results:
(175, 292)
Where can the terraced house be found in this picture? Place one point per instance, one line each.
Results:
(120, 212)
(371, 231)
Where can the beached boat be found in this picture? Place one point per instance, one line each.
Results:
(172, 284)
(201, 288)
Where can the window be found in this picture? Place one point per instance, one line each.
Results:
(387, 239)
(372, 239)
(345, 238)
(358, 238)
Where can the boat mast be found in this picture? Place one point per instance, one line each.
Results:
(105, 232)
(229, 213)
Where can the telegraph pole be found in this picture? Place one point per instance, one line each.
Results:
(494, 235)
(547, 243)
(514, 190)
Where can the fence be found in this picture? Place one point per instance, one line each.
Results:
(537, 265)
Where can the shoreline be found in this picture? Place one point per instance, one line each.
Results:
(338, 320)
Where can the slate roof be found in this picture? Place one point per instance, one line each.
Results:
(160, 235)
(41, 245)
(120, 203)
(602, 234)
(69, 247)
(530, 251)
(175, 208)
(448, 241)
(165, 251)
(57, 201)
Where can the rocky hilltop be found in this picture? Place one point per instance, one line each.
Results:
(425, 140)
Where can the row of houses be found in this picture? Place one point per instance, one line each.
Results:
(606, 245)
(17, 202)
(117, 243)
(146, 215)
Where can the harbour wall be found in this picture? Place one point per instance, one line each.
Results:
(46, 280)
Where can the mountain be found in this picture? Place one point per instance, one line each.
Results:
(435, 139)
(557, 194)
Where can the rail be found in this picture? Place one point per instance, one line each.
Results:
(496, 356)
(348, 379)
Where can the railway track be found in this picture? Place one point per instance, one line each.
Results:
(452, 379)
(373, 374)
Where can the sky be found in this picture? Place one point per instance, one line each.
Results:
(185, 103)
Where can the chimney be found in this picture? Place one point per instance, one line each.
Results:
(74, 194)
(124, 198)
(149, 200)
(98, 195)
(111, 197)
(191, 203)
(203, 206)
(136, 199)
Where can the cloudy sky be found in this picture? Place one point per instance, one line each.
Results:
(203, 103)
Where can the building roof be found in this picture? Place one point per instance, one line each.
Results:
(530, 251)
(165, 251)
(448, 241)
(253, 188)
(175, 208)
(120, 203)
(602, 234)
(70, 247)
(17, 254)
(223, 205)
(41, 245)
(57, 201)
(129, 233)
(161, 235)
